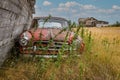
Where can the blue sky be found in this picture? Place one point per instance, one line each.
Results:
(107, 10)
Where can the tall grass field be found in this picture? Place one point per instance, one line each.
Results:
(99, 61)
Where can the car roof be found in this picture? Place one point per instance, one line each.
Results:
(54, 18)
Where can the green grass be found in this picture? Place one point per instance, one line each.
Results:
(99, 61)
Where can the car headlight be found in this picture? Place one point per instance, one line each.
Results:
(23, 42)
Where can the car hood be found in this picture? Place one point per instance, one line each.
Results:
(50, 33)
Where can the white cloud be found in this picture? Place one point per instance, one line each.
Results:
(69, 4)
(74, 6)
(61, 5)
(46, 3)
(116, 7)
(108, 11)
(62, 9)
(74, 11)
(88, 7)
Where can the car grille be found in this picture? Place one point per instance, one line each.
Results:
(52, 45)
(40, 47)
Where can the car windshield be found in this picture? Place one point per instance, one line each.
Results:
(52, 24)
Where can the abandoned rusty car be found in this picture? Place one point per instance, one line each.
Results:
(49, 34)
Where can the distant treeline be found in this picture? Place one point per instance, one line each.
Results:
(117, 24)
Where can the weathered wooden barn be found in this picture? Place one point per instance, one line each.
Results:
(15, 17)
(92, 22)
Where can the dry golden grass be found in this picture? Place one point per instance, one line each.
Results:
(101, 63)
(105, 53)
(106, 40)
